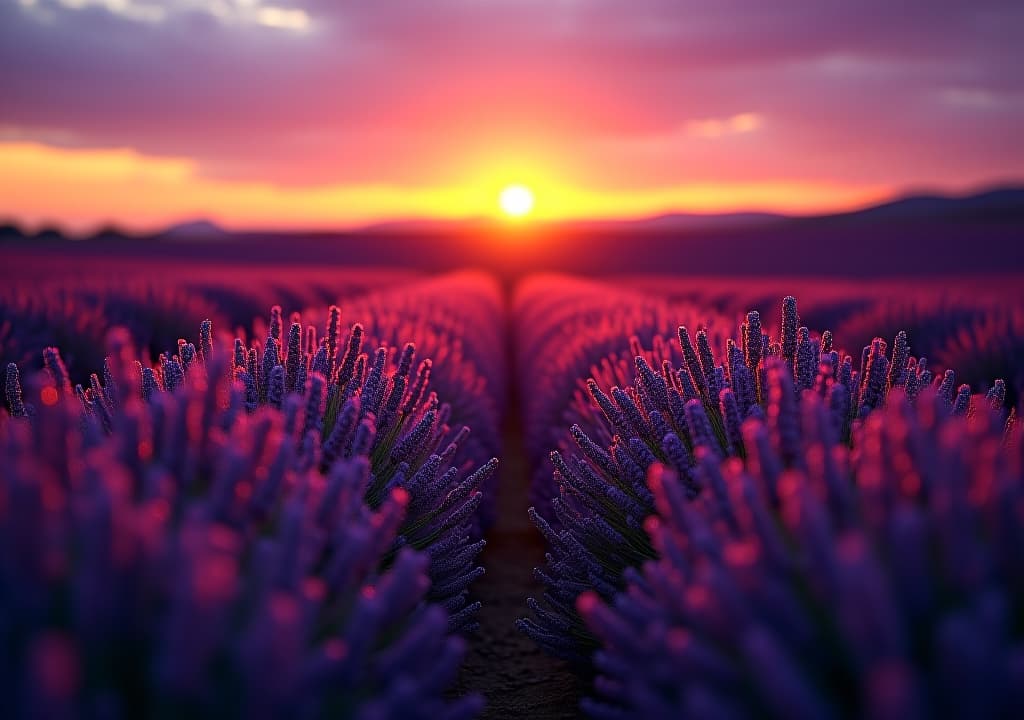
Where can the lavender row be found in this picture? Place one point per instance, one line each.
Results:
(457, 321)
(953, 324)
(650, 410)
(568, 329)
(297, 477)
(73, 306)
(453, 319)
(882, 583)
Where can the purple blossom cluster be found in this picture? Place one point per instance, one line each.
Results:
(238, 530)
(455, 320)
(885, 582)
(934, 313)
(452, 319)
(569, 329)
(652, 411)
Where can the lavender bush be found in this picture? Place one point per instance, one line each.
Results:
(452, 318)
(671, 415)
(570, 329)
(882, 583)
(170, 547)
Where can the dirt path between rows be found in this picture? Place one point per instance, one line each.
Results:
(518, 680)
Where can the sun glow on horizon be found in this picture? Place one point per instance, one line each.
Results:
(516, 201)
(81, 189)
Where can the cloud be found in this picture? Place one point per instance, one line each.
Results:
(283, 18)
(974, 98)
(680, 143)
(230, 12)
(717, 127)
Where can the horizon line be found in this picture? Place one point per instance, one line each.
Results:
(910, 192)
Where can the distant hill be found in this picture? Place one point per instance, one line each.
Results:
(684, 221)
(10, 231)
(1000, 202)
(194, 230)
(430, 226)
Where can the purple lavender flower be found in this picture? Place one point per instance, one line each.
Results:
(294, 356)
(206, 340)
(789, 332)
(54, 365)
(276, 323)
(331, 337)
(12, 388)
(753, 344)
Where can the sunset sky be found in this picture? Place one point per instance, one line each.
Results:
(330, 113)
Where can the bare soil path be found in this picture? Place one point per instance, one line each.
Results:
(518, 680)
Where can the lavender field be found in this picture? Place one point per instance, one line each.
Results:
(540, 359)
(251, 488)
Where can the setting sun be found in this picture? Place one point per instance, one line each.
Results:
(516, 200)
